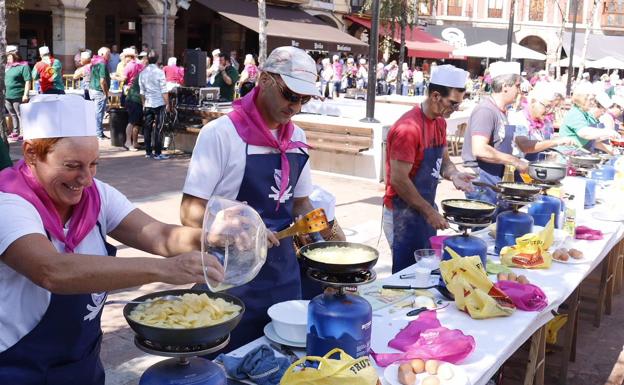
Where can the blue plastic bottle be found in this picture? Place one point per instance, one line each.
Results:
(339, 320)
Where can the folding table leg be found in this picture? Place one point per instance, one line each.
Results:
(613, 258)
(602, 291)
(569, 342)
(534, 374)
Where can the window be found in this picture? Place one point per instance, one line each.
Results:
(357, 5)
(613, 13)
(579, 16)
(495, 9)
(454, 8)
(424, 7)
(536, 10)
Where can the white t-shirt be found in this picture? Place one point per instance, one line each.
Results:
(218, 163)
(22, 303)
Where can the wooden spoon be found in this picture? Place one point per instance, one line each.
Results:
(312, 222)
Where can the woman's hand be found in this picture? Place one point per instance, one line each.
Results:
(272, 239)
(463, 181)
(565, 141)
(187, 268)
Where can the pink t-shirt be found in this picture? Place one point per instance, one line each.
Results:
(132, 71)
(174, 74)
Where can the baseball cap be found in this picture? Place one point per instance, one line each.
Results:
(296, 68)
(143, 54)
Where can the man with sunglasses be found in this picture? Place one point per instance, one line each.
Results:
(488, 141)
(257, 155)
(416, 158)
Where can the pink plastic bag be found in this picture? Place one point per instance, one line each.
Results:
(526, 297)
(587, 233)
(424, 338)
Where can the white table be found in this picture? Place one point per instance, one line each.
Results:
(497, 338)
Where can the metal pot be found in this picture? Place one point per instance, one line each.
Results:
(461, 208)
(512, 189)
(208, 335)
(547, 171)
(337, 268)
(585, 161)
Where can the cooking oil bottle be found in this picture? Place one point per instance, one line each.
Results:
(508, 175)
(569, 224)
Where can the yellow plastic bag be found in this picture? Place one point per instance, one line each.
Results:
(344, 370)
(474, 293)
(531, 250)
(553, 326)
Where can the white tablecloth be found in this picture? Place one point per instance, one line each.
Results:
(498, 338)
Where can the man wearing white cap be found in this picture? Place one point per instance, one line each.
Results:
(49, 72)
(83, 72)
(212, 72)
(174, 75)
(416, 158)
(613, 117)
(488, 141)
(56, 265)
(257, 155)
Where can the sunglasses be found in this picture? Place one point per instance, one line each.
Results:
(291, 96)
(547, 107)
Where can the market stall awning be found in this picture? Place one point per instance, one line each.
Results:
(288, 26)
(598, 46)
(471, 35)
(418, 42)
(607, 62)
(565, 62)
(487, 49)
(521, 52)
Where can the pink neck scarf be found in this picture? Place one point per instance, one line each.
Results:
(19, 180)
(252, 128)
(15, 64)
(534, 124)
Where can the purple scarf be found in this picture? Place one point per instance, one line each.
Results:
(252, 128)
(19, 180)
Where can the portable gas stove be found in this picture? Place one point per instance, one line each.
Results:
(546, 205)
(512, 224)
(465, 244)
(185, 367)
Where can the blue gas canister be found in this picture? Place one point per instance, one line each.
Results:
(590, 193)
(511, 225)
(604, 173)
(542, 209)
(339, 320)
(466, 246)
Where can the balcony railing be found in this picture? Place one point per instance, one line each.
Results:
(495, 13)
(454, 10)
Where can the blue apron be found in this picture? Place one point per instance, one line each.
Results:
(278, 280)
(492, 173)
(411, 230)
(64, 348)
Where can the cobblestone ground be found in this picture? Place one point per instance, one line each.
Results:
(155, 187)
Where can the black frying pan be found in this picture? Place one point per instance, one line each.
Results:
(184, 337)
(512, 188)
(335, 267)
(460, 208)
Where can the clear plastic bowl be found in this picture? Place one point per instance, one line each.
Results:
(235, 234)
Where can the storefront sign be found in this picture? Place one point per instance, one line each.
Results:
(318, 46)
(294, 43)
(343, 48)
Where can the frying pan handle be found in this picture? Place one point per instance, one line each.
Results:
(396, 287)
(490, 186)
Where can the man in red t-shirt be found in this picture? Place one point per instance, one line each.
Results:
(416, 158)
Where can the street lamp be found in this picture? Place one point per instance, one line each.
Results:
(510, 30)
(373, 42)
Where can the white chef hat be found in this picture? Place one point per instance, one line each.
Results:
(58, 116)
(128, 52)
(11, 48)
(449, 76)
(44, 50)
(323, 199)
(86, 54)
(543, 92)
(585, 88)
(604, 100)
(500, 68)
(619, 100)
(172, 61)
(362, 61)
(216, 52)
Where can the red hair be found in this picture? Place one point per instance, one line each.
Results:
(42, 147)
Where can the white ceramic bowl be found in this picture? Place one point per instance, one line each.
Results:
(290, 320)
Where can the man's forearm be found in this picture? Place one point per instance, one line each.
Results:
(448, 168)
(227, 79)
(491, 155)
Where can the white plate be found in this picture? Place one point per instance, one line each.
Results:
(269, 333)
(608, 216)
(572, 261)
(391, 374)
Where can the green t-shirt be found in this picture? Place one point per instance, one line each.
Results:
(226, 91)
(5, 159)
(15, 79)
(573, 121)
(134, 92)
(99, 71)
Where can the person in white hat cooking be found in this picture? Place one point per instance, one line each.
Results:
(17, 79)
(488, 141)
(56, 266)
(49, 72)
(417, 157)
(255, 154)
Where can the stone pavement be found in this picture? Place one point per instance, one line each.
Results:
(155, 187)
